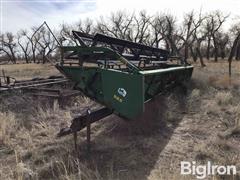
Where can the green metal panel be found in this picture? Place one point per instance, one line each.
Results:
(123, 92)
(124, 88)
(156, 81)
(87, 79)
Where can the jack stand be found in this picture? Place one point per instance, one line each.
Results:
(83, 121)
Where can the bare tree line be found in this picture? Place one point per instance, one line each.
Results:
(198, 36)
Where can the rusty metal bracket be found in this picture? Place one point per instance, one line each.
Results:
(83, 121)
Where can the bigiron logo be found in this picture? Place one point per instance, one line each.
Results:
(202, 171)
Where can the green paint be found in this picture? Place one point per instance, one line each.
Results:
(124, 92)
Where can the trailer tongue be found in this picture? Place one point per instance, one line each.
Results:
(119, 74)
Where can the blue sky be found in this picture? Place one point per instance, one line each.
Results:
(23, 14)
(48, 5)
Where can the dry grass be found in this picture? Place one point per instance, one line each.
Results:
(28, 71)
(224, 98)
(8, 127)
(203, 125)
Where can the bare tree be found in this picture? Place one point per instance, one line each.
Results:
(214, 22)
(235, 31)
(85, 26)
(4, 53)
(164, 31)
(8, 46)
(33, 39)
(24, 44)
(235, 47)
(141, 23)
(190, 26)
(156, 25)
(222, 40)
(47, 44)
(66, 35)
(118, 25)
(199, 37)
(167, 28)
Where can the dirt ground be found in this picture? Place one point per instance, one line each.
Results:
(203, 125)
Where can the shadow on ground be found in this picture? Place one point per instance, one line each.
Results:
(130, 149)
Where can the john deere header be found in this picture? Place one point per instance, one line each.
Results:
(119, 74)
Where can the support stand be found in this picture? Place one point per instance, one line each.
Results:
(83, 121)
(88, 125)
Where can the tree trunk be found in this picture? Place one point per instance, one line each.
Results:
(222, 53)
(173, 47)
(230, 67)
(9, 55)
(215, 48)
(33, 55)
(215, 54)
(26, 57)
(13, 55)
(186, 51)
(44, 55)
(200, 57)
(208, 48)
(167, 45)
(232, 52)
(238, 52)
(25, 52)
(194, 55)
